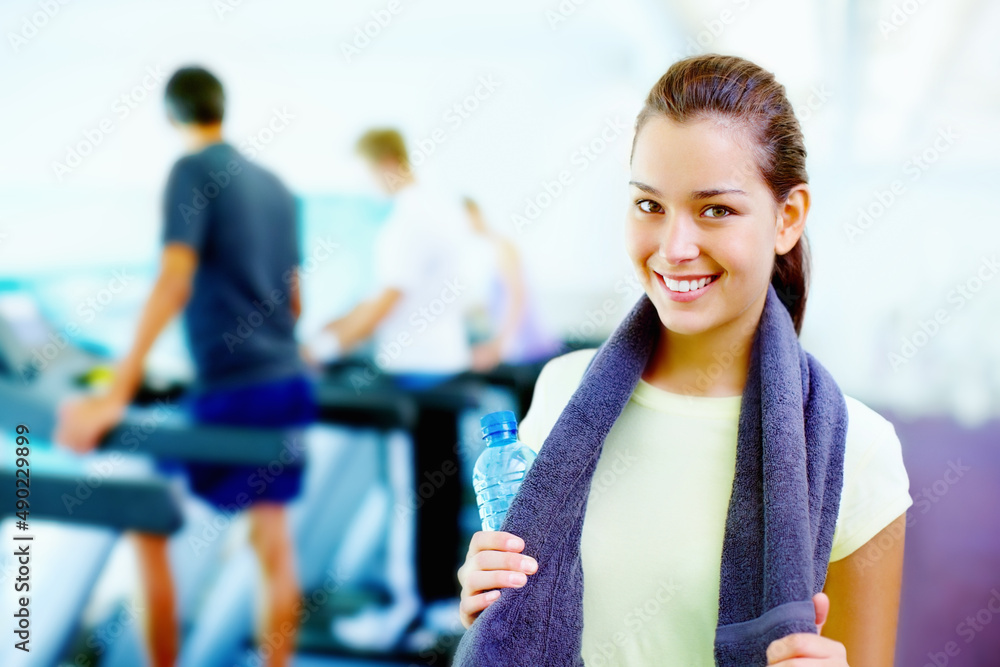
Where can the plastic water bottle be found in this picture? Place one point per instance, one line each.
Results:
(501, 467)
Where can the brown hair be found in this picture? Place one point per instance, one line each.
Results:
(378, 144)
(735, 89)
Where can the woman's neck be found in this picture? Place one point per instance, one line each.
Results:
(712, 363)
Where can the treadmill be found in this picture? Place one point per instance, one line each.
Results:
(96, 497)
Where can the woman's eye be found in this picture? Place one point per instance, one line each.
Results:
(716, 212)
(649, 206)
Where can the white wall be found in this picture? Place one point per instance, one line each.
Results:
(888, 92)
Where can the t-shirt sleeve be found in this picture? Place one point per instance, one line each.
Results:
(186, 210)
(529, 429)
(876, 485)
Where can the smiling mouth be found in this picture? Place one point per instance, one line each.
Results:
(682, 286)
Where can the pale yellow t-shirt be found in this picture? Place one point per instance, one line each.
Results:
(656, 515)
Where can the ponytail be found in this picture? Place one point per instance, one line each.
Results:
(790, 279)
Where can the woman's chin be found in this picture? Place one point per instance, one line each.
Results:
(686, 324)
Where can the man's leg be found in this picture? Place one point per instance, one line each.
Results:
(271, 539)
(158, 585)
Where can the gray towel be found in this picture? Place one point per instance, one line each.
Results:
(780, 522)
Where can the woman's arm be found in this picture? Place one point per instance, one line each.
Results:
(864, 590)
(510, 270)
(486, 356)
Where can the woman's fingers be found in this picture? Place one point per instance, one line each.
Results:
(479, 589)
(493, 561)
(503, 560)
(485, 580)
(471, 607)
(495, 540)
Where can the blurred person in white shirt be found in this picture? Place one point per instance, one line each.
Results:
(416, 313)
(416, 317)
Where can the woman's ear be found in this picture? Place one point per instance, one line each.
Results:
(791, 222)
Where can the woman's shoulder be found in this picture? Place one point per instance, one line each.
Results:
(868, 432)
(556, 383)
(561, 376)
(568, 367)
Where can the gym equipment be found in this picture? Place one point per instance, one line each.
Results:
(359, 487)
(120, 493)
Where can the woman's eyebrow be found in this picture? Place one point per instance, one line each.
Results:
(706, 194)
(697, 194)
(646, 188)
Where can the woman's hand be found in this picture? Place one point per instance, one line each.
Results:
(804, 648)
(494, 561)
(487, 356)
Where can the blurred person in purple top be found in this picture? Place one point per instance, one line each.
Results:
(519, 336)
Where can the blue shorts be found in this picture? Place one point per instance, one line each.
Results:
(284, 403)
(419, 381)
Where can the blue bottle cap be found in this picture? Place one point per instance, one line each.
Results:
(495, 422)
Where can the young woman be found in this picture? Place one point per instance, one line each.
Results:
(717, 211)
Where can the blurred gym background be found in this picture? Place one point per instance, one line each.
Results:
(528, 108)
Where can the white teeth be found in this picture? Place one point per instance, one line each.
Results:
(687, 285)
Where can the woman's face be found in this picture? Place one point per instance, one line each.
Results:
(699, 210)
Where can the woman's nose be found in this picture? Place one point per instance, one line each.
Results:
(678, 240)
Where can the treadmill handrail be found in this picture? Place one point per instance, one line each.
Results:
(145, 505)
(183, 441)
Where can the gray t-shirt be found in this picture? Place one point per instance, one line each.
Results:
(241, 220)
